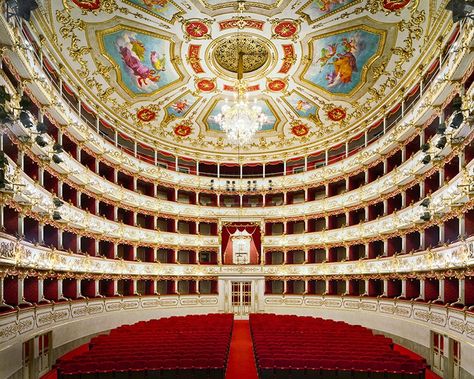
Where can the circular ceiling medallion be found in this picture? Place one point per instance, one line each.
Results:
(286, 29)
(258, 52)
(182, 130)
(255, 52)
(299, 129)
(277, 85)
(337, 114)
(197, 29)
(146, 115)
(206, 85)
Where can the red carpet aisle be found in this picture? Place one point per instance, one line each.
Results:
(241, 363)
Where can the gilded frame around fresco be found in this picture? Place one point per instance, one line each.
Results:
(383, 36)
(100, 34)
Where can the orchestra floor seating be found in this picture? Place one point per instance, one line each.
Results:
(194, 346)
(307, 347)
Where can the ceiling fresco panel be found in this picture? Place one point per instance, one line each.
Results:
(143, 61)
(159, 70)
(341, 59)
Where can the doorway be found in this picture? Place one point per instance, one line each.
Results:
(241, 299)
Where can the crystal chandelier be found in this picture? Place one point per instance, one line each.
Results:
(241, 120)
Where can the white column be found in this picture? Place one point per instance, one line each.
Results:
(41, 233)
(175, 256)
(60, 290)
(41, 290)
(462, 225)
(462, 291)
(78, 289)
(404, 289)
(404, 199)
(441, 234)
(441, 290)
(97, 288)
(134, 253)
(134, 287)
(366, 287)
(21, 291)
(422, 290)
(385, 248)
(21, 225)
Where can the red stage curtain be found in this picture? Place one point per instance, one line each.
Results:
(255, 243)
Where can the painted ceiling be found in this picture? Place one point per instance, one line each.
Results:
(160, 70)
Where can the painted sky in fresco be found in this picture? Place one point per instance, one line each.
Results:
(301, 105)
(181, 106)
(213, 125)
(338, 60)
(142, 59)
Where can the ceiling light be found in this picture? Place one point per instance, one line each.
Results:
(426, 216)
(41, 141)
(57, 159)
(441, 142)
(41, 128)
(26, 119)
(58, 148)
(241, 120)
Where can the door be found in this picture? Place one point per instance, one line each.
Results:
(28, 359)
(455, 360)
(241, 299)
(438, 353)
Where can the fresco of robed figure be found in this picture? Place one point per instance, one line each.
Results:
(142, 60)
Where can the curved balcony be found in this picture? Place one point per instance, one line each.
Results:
(98, 187)
(40, 202)
(25, 255)
(455, 195)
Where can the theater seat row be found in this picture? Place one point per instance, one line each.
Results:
(307, 347)
(177, 347)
